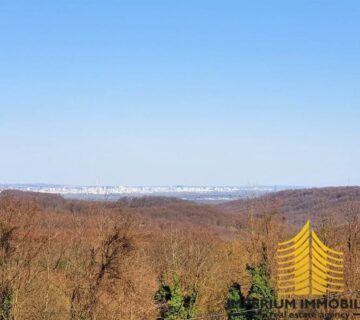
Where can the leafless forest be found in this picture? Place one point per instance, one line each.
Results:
(82, 260)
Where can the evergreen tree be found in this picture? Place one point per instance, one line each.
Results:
(5, 303)
(235, 304)
(173, 305)
(261, 289)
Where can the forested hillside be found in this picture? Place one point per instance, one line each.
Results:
(301, 204)
(157, 258)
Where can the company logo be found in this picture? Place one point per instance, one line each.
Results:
(307, 267)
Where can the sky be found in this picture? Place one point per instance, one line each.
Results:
(186, 92)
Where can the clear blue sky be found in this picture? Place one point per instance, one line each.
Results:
(180, 92)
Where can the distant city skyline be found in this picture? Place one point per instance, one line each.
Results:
(158, 93)
(193, 193)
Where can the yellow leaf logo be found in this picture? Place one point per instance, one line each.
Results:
(306, 266)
